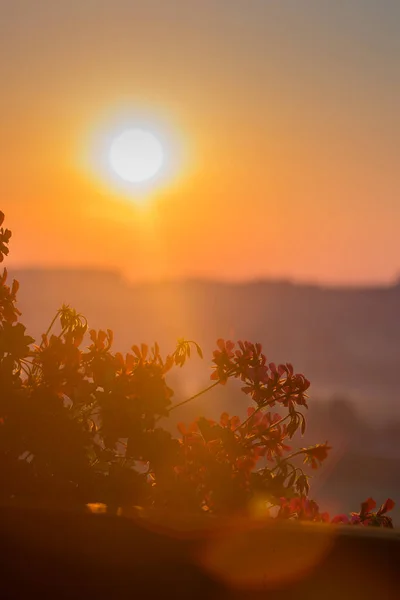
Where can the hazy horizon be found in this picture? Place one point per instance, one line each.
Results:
(278, 280)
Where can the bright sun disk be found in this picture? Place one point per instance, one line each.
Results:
(136, 155)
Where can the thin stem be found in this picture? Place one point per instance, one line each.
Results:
(288, 416)
(249, 418)
(63, 331)
(51, 324)
(294, 469)
(25, 370)
(26, 362)
(35, 367)
(287, 458)
(207, 389)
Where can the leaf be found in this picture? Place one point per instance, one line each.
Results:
(302, 484)
(292, 479)
(224, 419)
(119, 359)
(293, 426)
(15, 287)
(13, 340)
(136, 351)
(199, 350)
(110, 335)
(182, 428)
(208, 429)
(235, 422)
(303, 424)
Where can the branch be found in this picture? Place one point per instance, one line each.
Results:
(207, 389)
(287, 458)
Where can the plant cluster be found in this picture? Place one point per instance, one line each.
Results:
(81, 425)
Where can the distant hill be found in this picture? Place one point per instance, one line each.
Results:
(346, 340)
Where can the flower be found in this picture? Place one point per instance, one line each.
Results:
(303, 509)
(376, 519)
(386, 506)
(316, 454)
(340, 519)
(223, 360)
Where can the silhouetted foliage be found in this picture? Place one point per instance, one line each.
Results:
(81, 425)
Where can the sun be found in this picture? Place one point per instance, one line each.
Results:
(136, 155)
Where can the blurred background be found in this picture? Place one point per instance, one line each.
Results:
(275, 216)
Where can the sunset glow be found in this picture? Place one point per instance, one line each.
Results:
(265, 137)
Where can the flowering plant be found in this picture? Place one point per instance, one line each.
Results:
(81, 425)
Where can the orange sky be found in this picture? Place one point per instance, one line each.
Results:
(285, 118)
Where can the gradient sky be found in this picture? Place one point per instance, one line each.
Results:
(284, 116)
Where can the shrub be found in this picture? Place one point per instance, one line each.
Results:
(82, 425)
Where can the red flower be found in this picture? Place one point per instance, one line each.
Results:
(223, 360)
(316, 454)
(367, 506)
(367, 517)
(229, 422)
(302, 509)
(341, 519)
(386, 507)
